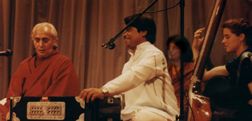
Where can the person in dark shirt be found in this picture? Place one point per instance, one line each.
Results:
(238, 40)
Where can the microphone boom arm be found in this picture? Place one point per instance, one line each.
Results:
(110, 44)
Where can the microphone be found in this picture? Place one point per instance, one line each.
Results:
(6, 52)
(110, 44)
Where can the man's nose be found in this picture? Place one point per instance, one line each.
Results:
(41, 43)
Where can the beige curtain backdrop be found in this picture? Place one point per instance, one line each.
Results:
(84, 25)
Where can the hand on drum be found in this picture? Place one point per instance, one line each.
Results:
(91, 94)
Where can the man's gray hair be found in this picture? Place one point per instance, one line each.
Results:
(45, 27)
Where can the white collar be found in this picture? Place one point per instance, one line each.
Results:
(139, 47)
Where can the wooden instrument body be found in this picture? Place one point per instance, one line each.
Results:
(200, 106)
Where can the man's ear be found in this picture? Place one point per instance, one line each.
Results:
(242, 37)
(144, 33)
(55, 45)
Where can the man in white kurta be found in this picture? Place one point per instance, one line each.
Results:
(145, 83)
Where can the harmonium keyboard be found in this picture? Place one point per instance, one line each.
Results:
(63, 109)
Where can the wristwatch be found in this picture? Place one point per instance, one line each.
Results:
(105, 91)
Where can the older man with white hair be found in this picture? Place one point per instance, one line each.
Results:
(47, 72)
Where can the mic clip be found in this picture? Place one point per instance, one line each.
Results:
(110, 44)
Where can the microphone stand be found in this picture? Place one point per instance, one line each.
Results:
(182, 113)
(110, 44)
(11, 110)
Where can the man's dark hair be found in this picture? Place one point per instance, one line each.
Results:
(143, 23)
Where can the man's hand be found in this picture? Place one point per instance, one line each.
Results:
(91, 94)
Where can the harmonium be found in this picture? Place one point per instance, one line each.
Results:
(63, 109)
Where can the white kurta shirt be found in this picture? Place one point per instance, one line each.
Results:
(146, 84)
